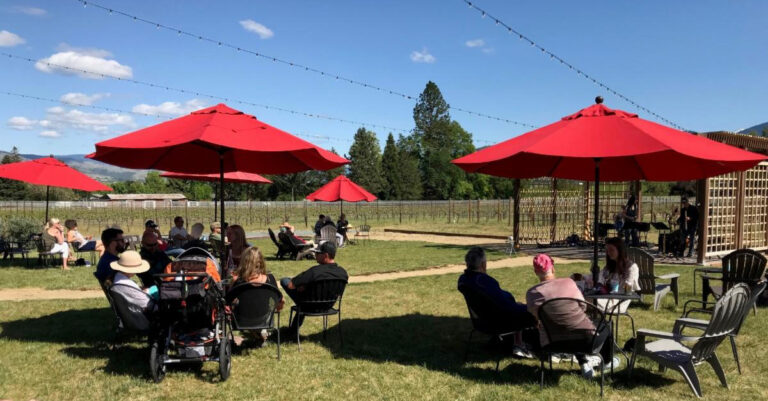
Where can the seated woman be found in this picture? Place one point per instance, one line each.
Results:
(618, 268)
(53, 236)
(237, 244)
(289, 228)
(253, 269)
(341, 229)
(80, 242)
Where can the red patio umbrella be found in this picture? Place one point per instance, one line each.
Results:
(341, 189)
(51, 173)
(598, 143)
(231, 176)
(216, 139)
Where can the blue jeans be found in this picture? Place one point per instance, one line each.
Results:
(175, 252)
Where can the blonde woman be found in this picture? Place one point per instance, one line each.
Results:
(237, 244)
(252, 269)
(53, 236)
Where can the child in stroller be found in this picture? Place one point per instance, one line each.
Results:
(192, 323)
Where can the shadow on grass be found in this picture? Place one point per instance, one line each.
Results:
(77, 326)
(434, 342)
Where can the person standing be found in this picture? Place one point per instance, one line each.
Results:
(630, 218)
(689, 224)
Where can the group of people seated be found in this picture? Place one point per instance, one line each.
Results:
(524, 317)
(341, 227)
(245, 264)
(58, 241)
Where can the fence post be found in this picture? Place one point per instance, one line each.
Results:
(306, 216)
(553, 220)
(516, 213)
(478, 211)
(469, 211)
(401, 212)
(450, 207)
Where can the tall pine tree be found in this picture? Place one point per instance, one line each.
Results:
(365, 162)
(409, 187)
(390, 169)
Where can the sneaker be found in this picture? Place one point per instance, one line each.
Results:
(615, 364)
(586, 371)
(521, 353)
(557, 358)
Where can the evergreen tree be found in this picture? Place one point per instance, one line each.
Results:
(431, 117)
(12, 189)
(390, 169)
(409, 178)
(365, 162)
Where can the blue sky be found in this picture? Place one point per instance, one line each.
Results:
(700, 64)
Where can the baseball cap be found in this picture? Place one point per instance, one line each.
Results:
(150, 223)
(543, 264)
(326, 247)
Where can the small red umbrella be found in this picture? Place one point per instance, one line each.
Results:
(232, 176)
(216, 139)
(341, 189)
(598, 143)
(51, 173)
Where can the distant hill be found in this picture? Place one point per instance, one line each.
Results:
(759, 128)
(96, 169)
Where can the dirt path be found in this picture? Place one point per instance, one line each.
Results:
(34, 293)
(440, 239)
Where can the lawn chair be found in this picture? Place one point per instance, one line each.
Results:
(254, 307)
(282, 248)
(44, 255)
(669, 351)
(511, 246)
(685, 321)
(297, 251)
(488, 319)
(319, 299)
(79, 254)
(647, 279)
(11, 248)
(328, 233)
(118, 322)
(363, 232)
(131, 319)
(564, 339)
(740, 266)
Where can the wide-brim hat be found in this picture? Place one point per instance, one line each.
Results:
(130, 262)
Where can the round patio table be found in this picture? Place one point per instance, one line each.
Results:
(618, 298)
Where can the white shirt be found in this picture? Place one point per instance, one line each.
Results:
(177, 231)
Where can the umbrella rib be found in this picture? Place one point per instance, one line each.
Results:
(550, 172)
(640, 169)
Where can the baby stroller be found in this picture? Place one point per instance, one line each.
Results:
(192, 323)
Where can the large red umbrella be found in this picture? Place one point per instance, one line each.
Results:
(51, 173)
(217, 139)
(341, 189)
(598, 143)
(231, 176)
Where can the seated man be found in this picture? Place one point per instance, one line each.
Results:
(551, 287)
(178, 236)
(516, 316)
(112, 238)
(151, 227)
(215, 234)
(140, 303)
(326, 269)
(195, 242)
(319, 224)
(156, 259)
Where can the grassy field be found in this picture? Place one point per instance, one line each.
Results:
(367, 258)
(404, 340)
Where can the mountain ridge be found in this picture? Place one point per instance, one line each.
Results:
(93, 168)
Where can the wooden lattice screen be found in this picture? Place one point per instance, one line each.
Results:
(755, 221)
(721, 221)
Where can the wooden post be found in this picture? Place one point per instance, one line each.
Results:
(702, 196)
(469, 211)
(587, 231)
(740, 195)
(516, 213)
(639, 194)
(478, 211)
(498, 210)
(449, 210)
(553, 217)
(401, 212)
(509, 212)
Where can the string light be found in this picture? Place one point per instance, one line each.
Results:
(289, 63)
(578, 71)
(210, 96)
(158, 116)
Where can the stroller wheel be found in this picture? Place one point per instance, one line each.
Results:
(225, 352)
(156, 365)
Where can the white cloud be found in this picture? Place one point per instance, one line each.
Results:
(83, 59)
(21, 123)
(10, 39)
(49, 134)
(259, 29)
(88, 51)
(422, 56)
(171, 108)
(78, 98)
(475, 43)
(98, 122)
(487, 50)
(34, 11)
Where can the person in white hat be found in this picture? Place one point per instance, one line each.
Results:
(129, 264)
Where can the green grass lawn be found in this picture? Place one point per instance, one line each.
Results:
(404, 340)
(371, 257)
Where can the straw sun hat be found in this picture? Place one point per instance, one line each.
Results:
(130, 262)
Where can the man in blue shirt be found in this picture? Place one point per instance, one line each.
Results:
(515, 315)
(112, 238)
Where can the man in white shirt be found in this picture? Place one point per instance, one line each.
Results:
(178, 237)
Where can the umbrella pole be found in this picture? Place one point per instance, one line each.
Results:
(595, 235)
(221, 199)
(47, 196)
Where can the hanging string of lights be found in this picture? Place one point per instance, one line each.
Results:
(158, 116)
(202, 94)
(552, 56)
(298, 66)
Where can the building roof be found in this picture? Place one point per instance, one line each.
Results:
(748, 142)
(144, 197)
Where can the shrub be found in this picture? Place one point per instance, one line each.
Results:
(16, 228)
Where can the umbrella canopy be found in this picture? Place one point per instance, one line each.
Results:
(216, 139)
(629, 148)
(231, 176)
(51, 173)
(598, 143)
(341, 188)
(201, 141)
